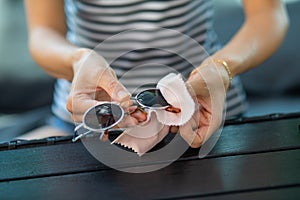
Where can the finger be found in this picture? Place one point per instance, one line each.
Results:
(174, 129)
(112, 86)
(211, 116)
(101, 95)
(189, 131)
(196, 85)
(190, 136)
(138, 114)
(126, 105)
(206, 131)
(104, 138)
(77, 105)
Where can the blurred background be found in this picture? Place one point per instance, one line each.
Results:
(17, 69)
(26, 91)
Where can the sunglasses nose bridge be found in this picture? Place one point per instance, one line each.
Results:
(135, 102)
(133, 99)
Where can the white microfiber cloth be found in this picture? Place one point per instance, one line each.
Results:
(176, 94)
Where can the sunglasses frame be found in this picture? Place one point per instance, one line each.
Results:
(168, 107)
(100, 130)
(84, 125)
(149, 107)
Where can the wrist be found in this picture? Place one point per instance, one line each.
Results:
(227, 79)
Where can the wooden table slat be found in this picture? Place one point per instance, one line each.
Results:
(181, 179)
(73, 157)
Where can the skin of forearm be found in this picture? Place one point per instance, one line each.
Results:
(258, 38)
(52, 52)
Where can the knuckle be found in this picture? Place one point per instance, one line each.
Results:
(106, 75)
(112, 85)
(196, 144)
(69, 105)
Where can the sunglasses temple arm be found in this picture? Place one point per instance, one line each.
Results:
(78, 127)
(81, 135)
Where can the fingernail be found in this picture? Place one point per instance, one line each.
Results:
(122, 94)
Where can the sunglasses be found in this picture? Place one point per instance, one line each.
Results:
(104, 117)
(153, 99)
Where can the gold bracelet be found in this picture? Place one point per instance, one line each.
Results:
(225, 65)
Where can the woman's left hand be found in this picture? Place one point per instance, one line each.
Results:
(208, 86)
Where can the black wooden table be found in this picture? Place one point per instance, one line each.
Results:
(255, 158)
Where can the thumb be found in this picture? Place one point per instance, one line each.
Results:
(109, 82)
(197, 86)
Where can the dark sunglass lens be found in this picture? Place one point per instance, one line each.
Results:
(152, 98)
(103, 116)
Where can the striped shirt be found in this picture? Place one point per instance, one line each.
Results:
(144, 40)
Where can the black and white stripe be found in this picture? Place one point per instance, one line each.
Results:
(90, 22)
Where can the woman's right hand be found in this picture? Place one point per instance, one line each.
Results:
(94, 81)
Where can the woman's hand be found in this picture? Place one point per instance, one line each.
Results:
(94, 82)
(208, 86)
